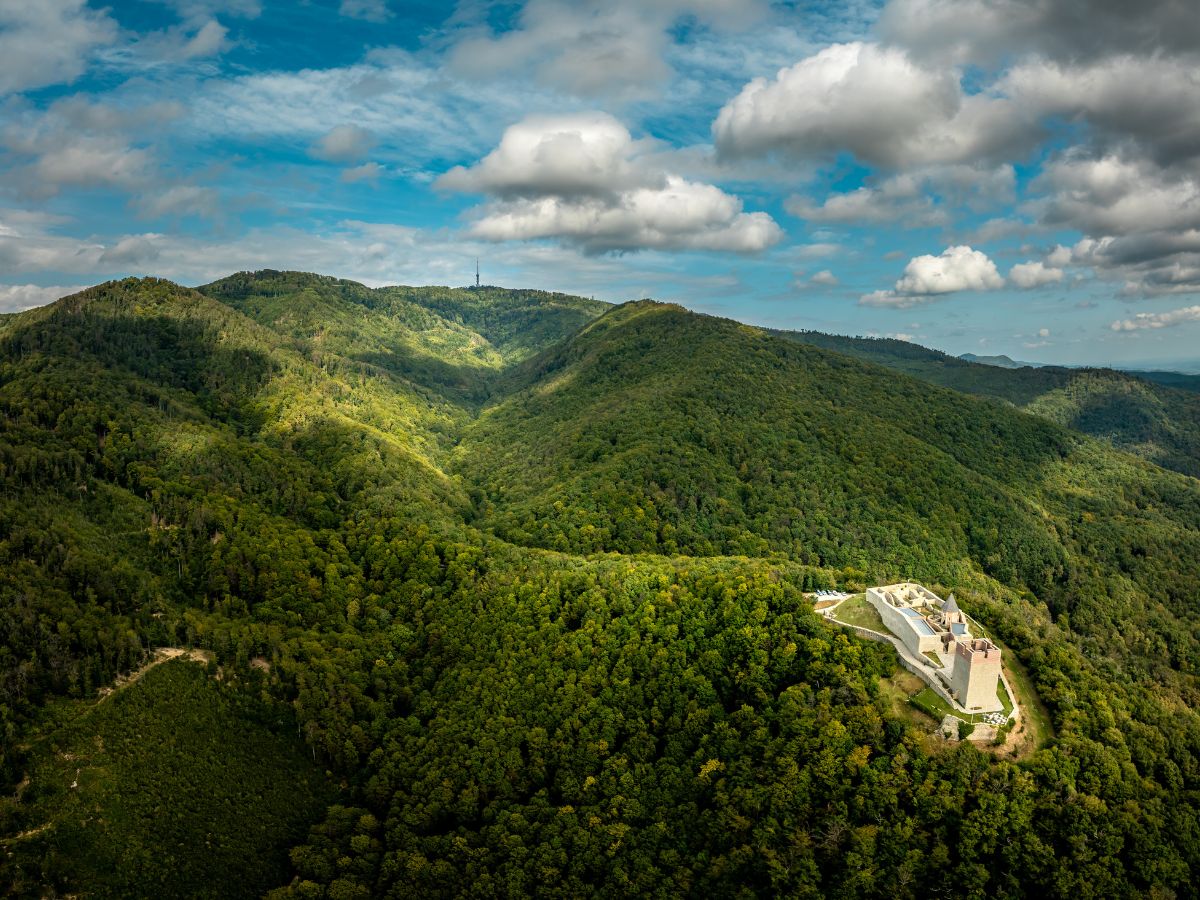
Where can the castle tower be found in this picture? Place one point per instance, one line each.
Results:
(975, 674)
(950, 608)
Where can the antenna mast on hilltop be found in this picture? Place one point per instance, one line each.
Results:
(477, 273)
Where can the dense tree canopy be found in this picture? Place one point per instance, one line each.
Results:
(1155, 415)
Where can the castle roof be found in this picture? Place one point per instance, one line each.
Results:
(951, 605)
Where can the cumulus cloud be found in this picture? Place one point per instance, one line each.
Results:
(955, 269)
(1141, 220)
(825, 278)
(343, 144)
(989, 30)
(1034, 274)
(585, 180)
(874, 102)
(1154, 100)
(49, 41)
(590, 154)
(925, 277)
(1112, 194)
(618, 48)
(1158, 320)
(17, 297)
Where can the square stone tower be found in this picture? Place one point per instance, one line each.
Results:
(975, 674)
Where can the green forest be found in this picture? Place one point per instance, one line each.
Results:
(1155, 415)
(503, 595)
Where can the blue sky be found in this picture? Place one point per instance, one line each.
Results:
(988, 176)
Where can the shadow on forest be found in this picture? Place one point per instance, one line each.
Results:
(183, 353)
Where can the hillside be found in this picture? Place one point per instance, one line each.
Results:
(527, 573)
(453, 340)
(1155, 418)
(175, 764)
(1002, 361)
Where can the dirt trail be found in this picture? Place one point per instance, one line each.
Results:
(161, 655)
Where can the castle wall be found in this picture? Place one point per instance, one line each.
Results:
(902, 625)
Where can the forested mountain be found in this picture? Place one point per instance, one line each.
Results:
(1157, 418)
(523, 573)
(1002, 361)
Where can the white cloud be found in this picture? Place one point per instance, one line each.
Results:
(589, 154)
(874, 102)
(819, 250)
(584, 180)
(416, 111)
(1059, 256)
(132, 250)
(1113, 195)
(44, 42)
(195, 10)
(17, 297)
(181, 200)
(826, 278)
(956, 269)
(1158, 320)
(1153, 99)
(368, 10)
(366, 172)
(208, 40)
(680, 215)
(619, 48)
(1034, 274)
(81, 144)
(91, 161)
(983, 31)
(898, 198)
(344, 144)
(195, 39)
(911, 197)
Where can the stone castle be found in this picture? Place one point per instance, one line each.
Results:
(938, 631)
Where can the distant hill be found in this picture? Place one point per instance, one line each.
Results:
(451, 339)
(1003, 362)
(1181, 380)
(1154, 421)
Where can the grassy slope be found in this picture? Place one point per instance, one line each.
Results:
(184, 788)
(1156, 421)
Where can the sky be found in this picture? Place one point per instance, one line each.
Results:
(985, 176)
